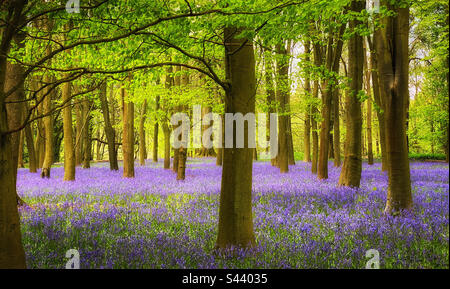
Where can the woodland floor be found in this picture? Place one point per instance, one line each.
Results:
(154, 221)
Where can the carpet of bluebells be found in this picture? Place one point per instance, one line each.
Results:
(154, 221)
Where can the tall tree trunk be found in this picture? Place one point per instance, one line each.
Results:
(31, 152)
(378, 101)
(332, 64)
(109, 130)
(69, 152)
(235, 210)
(393, 66)
(182, 152)
(12, 254)
(351, 169)
(155, 132)
(128, 134)
(282, 93)
(86, 134)
(336, 129)
(166, 132)
(176, 81)
(142, 144)
(79, 135)
(270, 93)
(367, 74)
(48, 127)
(169, 82)
(307, 132)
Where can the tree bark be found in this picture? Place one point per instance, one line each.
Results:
(142, 144)
(182, 152)
(86, 135)
(378, 101)
(282, 93)
(109, 130)
(235, 209)
(165, 126)
(12, 254)
(307, 122)
(351, 169)
(393, 66)
(155, 132)
(31, 152)
(69, 152)
(336, 129)
(48, 128)
(332, 64)
(270, 93)
(128, 134)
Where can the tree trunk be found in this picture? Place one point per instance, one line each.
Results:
(109, 130)
(182, 151)
(315, 136)
(69, 152)
(20, 152)
(282, 93)
(165, 126)
(332, 64)
(128, 134)
(142, 144)
(48, 127)
(270, 93)
(86, 134)
(393, 66)
(31, 152)
(155, 132)
(378, 101)
(351, 169)
(307, 132)
(336, 129)
(78, 139)
(235, 210)
(12, 254)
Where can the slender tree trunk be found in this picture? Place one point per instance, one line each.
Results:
(351, 169)
(307, 132)
(128, 134)
(369, 132)
(48, 127)
(282, 93)
(20, 152)
(86, 134)
(315, 136)
(182, 152)
(378, 101)
(270, 93)
(393, 66)
(78, 139)
(165, 126)
(155, 132)
(31, 152)
(166, 132)
(367, 74)
(109, 130)
(332, 64)
(235, 210)
(336, 129)
(69, 152)
(142, 144)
